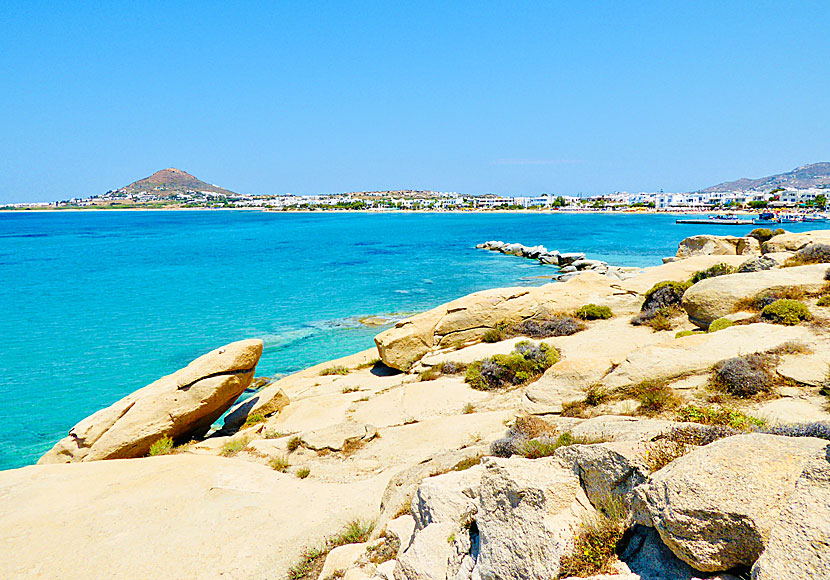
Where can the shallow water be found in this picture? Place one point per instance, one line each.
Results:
(98, 304)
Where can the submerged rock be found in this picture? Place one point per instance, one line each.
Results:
(180, 405)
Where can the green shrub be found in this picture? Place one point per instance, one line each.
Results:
(545, 446)
(233, 447)
(594, 312)
(762, 299)
(430, 374)
(294, 443)
(492, 335)
(334, 370)
(163, 446)
(719, 416)
(524, 364)
(654, 397)
(279, 464)
(720, 324)
(712, 272)
(784, 311)
(469, 409)
(311, 562)
(683, 333)
(465, 464)
(662, 294)
(303, 472)
(347, 390)
(824, 300)
(761, 234)
(658, 319)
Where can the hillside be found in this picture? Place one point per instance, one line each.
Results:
(813, 175)
(170, 181)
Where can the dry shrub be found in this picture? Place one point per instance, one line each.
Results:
(662, 452)
(531, 426)
(548, 327)
(812, 253)
(758, 302)
(743, 376)
(654, 397)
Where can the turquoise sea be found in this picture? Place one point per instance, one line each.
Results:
(98, 304)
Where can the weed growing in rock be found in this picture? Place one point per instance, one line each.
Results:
(720, 324)
(303, 472)
(465, 464)
(662, 452)
(469, 409)
(383, 551)
(595, 548)
(274, 434)
(294, 444)
(493, 335)
(255, 419)
(163, 446)
(789, 347)
(368, 364)
(430, 374)
(743, 377)
(312, 560)
(595, 395)
(810, 254)
(787, 312)
(721, 416)
(526, 363)
(824, 301)
(452, 368)
(683, 333)
(758, 302)
(712, 272)
(594, 312)
(334, 370)
(654, 397)
(233, 447)
(279, 464)
(347, 390)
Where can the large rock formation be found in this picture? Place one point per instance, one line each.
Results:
(790, 242)
(708, 245)
(716, 297)
(180, 405)
(717, 506)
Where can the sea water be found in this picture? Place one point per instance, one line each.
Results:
(96, 304)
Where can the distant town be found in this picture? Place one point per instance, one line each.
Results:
(806, 186)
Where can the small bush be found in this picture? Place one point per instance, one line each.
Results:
(294, 444)
(827, 274)
(818, 429)
(163, 446)
(662, 452)
(334, 370)
(311, 562)
(279, 464)
(743, 376)
(788, 312)
(465, 464)
(524, 364)
(355, 532)
(546, 445)
(548, 327)
(658, 318)
(594, 312)
(430, 374)
(654, 397)
(302, 473)
(531, 426)
(451, 368)
(763, 299)
(720, 324)
(469, 409)
(493, 335)
(720, 416)
(663, 294)
(595, 547)
(255, 419)
(824, 301)
(810, 254)
(712, 272)
(761, 234)
(789, 347)
(233, 447)
(347, 390)
(683, 333)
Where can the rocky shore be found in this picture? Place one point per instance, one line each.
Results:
(671, 423)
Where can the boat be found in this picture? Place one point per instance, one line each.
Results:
(814, 217)
(790, 218)
(719, 220)
(766, 217)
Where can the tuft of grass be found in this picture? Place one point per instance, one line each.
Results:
(469, 409)
(720, 324)
(786, 312)
(546, 446)
(312, 560)
(334, 370)
(662, 452)
(368, 364)
(279, 464)
(719, 416)
(274, 434)
(233, 447)
(347, 390)
(525, 364)
(163, 446)
(493, 335)
(654, 397)
(595, 395)
(531, 426)
(789, 347)
(255, 419)
(294, 444)
(683, 333)
(824, 301)
(303, 472)
(430, 374)
(712, 272)
(595, 547)
(594, 312)
(758, 302)
(465, 464)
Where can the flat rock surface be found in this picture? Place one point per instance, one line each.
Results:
(179, 516)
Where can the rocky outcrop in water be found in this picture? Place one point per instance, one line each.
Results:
(184, 404)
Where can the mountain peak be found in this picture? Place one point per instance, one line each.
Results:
(170, 181)
(805, 176)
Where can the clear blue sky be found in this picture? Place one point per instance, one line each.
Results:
(505, 97)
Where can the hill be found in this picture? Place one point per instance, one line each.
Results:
(170, 181)
(813, 175)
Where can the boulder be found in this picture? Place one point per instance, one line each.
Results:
(528, 516)
(174, 516)
(341, 559)
(401, 529)
(607, 471)
(550, 258)
(799, 545)
(713, 298)
(450, 497)
(432, 554)
(716, 506)
(468, 318)
(588, 264)
(181, 405)
(569, 258)
(646, 555)
(757, 264)
(793, 242)
(709, 245)
(337, 437)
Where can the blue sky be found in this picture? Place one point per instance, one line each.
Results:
(315, 97)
